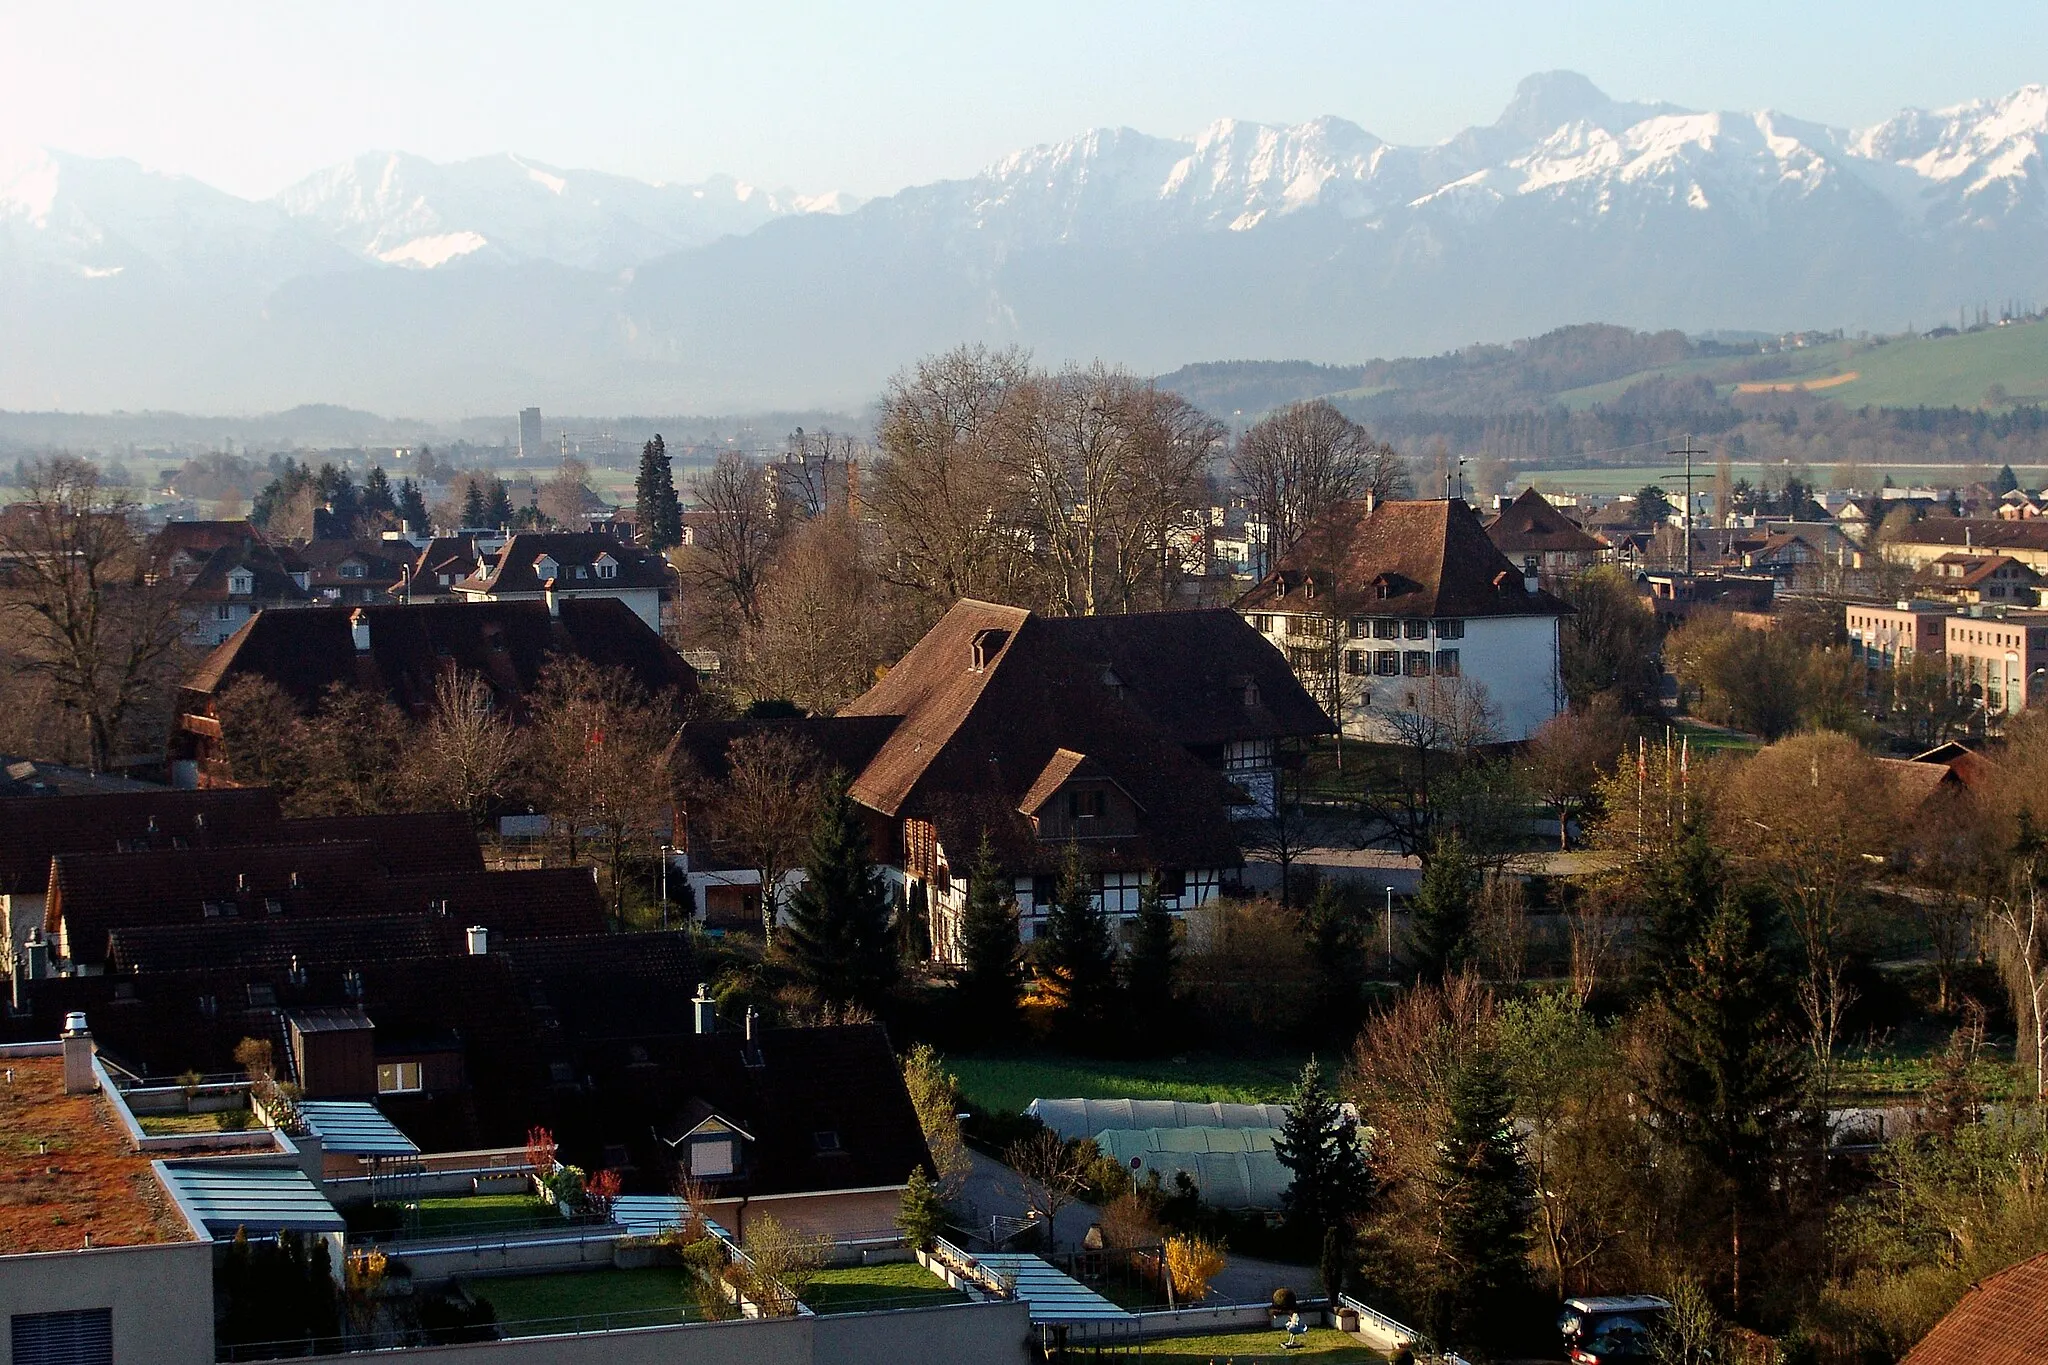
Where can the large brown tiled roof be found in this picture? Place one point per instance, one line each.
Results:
(2002, 1320)
(38, 829)
(842, 743)
(516, 903)
(1530, 525)
(1399, 559)
(571, 550)
(304, 651)
(278, 942)
(1189, 671)
(974, 739)
(1978, 534)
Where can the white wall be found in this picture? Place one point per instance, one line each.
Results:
(1514, 658)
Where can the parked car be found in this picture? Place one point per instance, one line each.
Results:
(1614, 1330)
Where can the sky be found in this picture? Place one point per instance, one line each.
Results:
(871, 97)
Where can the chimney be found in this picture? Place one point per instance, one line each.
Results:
(479, 941)
(78, 1077)
(551, 597)
(704, 1010)
(750, 1055)
(1372, 501)
(359, 630)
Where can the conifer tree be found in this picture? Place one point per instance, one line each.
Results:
(1079, 959)
(377, 496)
(499, 510)
(474, 505)
(1728, 1083)
(1442, 927)
(412, 507)
(838, 934)
(1320, 1145)
(1336, 928)
(985, 993)
(656, 507)
(1150, 965)
(1680, 892)
(1482, 1195)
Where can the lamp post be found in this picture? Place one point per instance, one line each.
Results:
(666, 851)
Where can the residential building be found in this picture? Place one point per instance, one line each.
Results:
(1136, 737)
(1926, 541)
(444, 562)
(1988, 579)
(572, 565)
(1999, 659)
(352, 573)
(227, 572)
(402, 652)
(1394, 612)
(1675, 596)
(1888, 636)
(1530, 527)
(2002, 1319)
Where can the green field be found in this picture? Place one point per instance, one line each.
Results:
(1612, 479)
(1007, 1084)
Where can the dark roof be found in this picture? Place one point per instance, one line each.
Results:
(608, 986)
(842, 1081)
(1190, 671)
(513, 570)
(270, 577)
(38, 830)
(34, 777)
(454, 555)
(842, 743)
(430, 842)
(516, 903)
(1530, 525)
(91, 894)
(1399, 559)
(383, 561)
(974, 739)
(1978, 534)
(304, 651)
(197, 540)
(268, 941)
(2002, 1320)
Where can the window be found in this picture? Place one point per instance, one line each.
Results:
(217, 909)
(1085, 805)
(711, 1157)
(398, 1078)
(1417, 663)
(1263, 624)
(1385, 629)
(826, 1140)
(1354, 662)
(1450, 630)
(1173, 882)
(353, 570)
(1416, 630)
(240, 584)
(84, 1336)
(224, 612)
(582, 571)
(1447, 662)
(1045, 889)
(607, 568)
(1355, 630)
(1386, 663)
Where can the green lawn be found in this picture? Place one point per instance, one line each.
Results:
(547, 1303)
(220, 1121)
(860, 1288)
(1901, 1070)
(1005, 1084)
(472, 1212)
(1322, 1344)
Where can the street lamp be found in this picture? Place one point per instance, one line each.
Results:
(666, 851)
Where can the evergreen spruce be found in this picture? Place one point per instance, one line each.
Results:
(499, 511)
(474, 505)
(1680, 893)
(1442, 928)
(1149, 968)
(985, 992)
(412, 508)
(1336, 926)
(1320, 1145)
(1727, 1082)
(838, 934)
(1482, 1194)
(377, 496)
(1079, 959)
(2007, 480)
(922, 1214)
(655, 505)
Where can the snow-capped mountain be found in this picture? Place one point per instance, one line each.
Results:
(395, 209)
(391, 282)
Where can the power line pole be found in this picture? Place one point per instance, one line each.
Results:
(1688, 452)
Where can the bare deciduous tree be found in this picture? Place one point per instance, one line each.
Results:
(85, 612)
(466, 752)
(1568, 753)
(764, 811)
(730, 553)
(566, 497)
(826, 623)
(1050, 1174)
(1305, 459)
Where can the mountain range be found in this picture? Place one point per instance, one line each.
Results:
(394, 283)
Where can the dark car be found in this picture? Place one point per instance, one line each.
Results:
(1615, 1330)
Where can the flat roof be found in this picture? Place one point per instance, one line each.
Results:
(68, 1170)
(355, 1128)
(648, 1215)
(223, 1196)
(1054, 1295)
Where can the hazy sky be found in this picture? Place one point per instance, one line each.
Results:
(871, 97)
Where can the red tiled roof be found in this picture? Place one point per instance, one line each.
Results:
(2002, 1320)
(1399, 559)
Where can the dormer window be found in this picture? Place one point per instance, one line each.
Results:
(351, 569)
(606, 567)
(987, 644)
(241, 584)
(582, 571)
(545, 568)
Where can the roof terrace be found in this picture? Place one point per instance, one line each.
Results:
(69, 1176)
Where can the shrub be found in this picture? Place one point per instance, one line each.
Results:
(1191, 1262)
(923, 1214)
